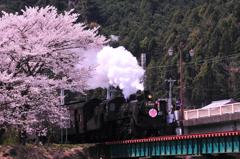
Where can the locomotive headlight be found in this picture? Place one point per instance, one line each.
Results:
(152, 113)
(149, 96)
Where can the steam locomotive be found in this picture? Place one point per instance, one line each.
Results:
(98, 120)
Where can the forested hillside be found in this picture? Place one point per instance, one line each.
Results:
(210, 27)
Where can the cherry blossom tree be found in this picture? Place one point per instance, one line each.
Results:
(41, 52)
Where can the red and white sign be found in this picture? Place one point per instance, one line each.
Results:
(152, 113)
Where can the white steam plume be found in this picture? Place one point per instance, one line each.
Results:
(116, 67)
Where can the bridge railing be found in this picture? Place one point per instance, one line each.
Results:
(199, 113)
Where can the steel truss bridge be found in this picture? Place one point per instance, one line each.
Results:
(181, 145)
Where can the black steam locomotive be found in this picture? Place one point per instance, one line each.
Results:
(117, 119)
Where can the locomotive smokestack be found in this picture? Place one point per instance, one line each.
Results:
(143, 60)
(108, 93)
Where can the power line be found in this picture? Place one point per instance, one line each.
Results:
(199, 62)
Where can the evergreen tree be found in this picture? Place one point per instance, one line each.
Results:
(211, 28)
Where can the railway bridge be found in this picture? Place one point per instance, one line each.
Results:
(184, 145)
(210, 132)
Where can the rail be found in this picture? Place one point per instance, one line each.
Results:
(208, 112)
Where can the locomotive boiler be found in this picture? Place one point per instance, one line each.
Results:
(140, 116)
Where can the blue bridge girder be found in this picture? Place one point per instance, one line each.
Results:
(196, 144)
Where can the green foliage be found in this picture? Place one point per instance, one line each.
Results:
(211, 28)
(17, 5)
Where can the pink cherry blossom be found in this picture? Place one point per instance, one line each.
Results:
(40, 53)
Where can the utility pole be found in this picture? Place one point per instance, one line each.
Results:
(181, 93)
(143, 65)
(171, 82)
(61, 105)
(179, 129)
(62, 102)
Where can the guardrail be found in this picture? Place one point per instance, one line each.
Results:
(199, 113)
(176, 145)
